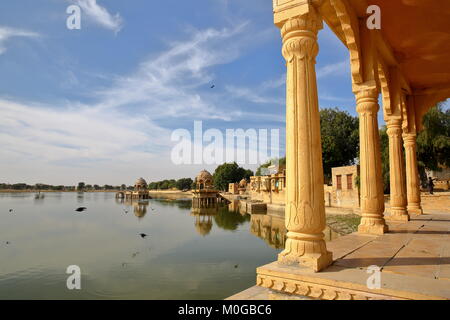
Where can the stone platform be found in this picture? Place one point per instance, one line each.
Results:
(414, 258)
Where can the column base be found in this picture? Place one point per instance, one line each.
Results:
(372, 226)
(398, 215)
(417, 210)
(313, 261)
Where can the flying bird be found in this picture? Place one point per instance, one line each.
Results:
(143, 235)
(80, 209)
(235, 266)
(10, 210)
(125, 211)
(213, 86)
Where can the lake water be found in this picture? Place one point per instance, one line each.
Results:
(187, 255)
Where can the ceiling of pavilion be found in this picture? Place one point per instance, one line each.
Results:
(419, 33)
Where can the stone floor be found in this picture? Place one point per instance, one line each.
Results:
(414, 258)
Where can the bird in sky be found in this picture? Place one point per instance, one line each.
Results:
(11, 210)
(81, 209)
(213, 86)
(143, 235)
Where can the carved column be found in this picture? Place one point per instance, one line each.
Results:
(397, 171)
(305, 210)
(412, 175)
(372, 195)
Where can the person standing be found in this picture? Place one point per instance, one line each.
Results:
(430, 185)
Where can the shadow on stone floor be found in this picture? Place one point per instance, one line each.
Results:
(382, 261)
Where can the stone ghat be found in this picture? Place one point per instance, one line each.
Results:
(414, 258)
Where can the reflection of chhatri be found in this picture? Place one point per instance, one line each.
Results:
(140, 209)
(139, 206)
(203, 224)
(140, 191)
(204, 194)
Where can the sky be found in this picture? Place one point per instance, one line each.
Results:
(100, 104)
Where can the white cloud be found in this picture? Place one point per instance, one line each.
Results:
(122, 133)
(169, 84)
(338, 68)
(44, 133)
(254, 95)
(6, 33)
(100, 15)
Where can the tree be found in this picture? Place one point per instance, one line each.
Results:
(384, 146)
(340, 139)
(184, 183)
(81, 186)
(433, 142)
(229, 173)
(281, 165)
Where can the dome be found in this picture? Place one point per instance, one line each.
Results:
(203, 227)
(140, 182)
(204, 176)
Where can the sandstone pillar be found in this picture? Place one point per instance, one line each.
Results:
(305, 210)
(412, 175)
(372, 195)
(397, 171)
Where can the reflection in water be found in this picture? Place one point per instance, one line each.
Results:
(224, 219)
(230, 220)
(270, 228)
(139, 206)
(39, 198)
(188, 254)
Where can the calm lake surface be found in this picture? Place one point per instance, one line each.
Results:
(186, 255)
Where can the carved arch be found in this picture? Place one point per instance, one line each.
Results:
(385, 84)
(350, 27)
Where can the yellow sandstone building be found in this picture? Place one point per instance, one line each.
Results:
(407, 62)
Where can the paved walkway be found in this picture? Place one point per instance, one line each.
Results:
(414, 258)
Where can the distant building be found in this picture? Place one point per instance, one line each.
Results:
(344, 191)
(271, 189)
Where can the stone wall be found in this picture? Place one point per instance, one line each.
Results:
(345, 193)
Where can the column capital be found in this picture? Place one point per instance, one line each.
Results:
(394, 122)
(366, 93)
(367, 100)
(394, 127)
(284, 10)
(306, 25)
(409, 139)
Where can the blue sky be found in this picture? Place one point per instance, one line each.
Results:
(99, 104)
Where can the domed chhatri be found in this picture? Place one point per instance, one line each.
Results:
(204, 180)
(140, 184)
(140, 191)
(204, 193)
